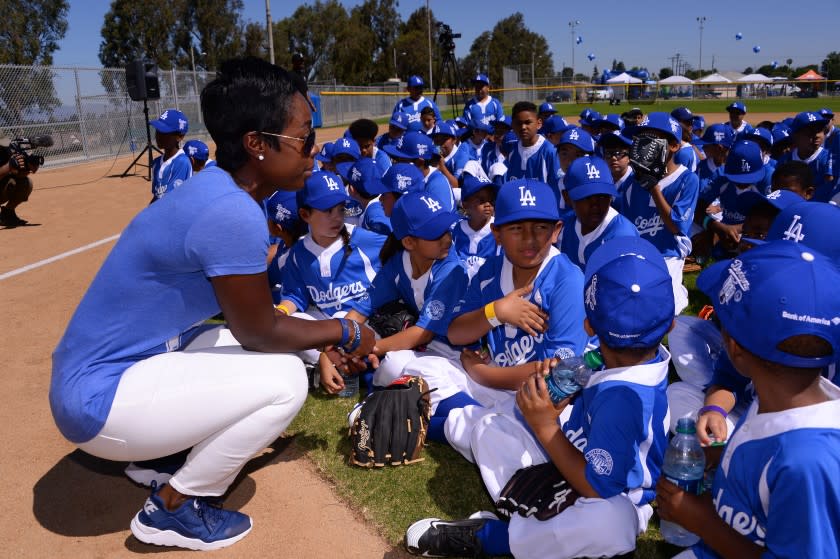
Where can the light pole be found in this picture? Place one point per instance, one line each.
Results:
(429, 25)
(268, 27)
(572, 24)
(702, 21)
(192, 65)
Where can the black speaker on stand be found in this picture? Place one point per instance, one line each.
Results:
(142, 83)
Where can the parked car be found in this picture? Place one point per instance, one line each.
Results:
(600, 94)
(558, 96)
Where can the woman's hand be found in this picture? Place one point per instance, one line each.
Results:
(516, 310)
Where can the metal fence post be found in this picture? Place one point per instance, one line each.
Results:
(82, 131)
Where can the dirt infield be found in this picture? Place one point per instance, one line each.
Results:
(61, 502)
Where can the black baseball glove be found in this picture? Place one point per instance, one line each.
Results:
(391, 318)
(647, 158)
(391, 424)
(539, 491)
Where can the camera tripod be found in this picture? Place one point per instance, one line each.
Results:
(450, 75)
(147, 150)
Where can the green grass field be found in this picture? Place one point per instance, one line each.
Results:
(444, 485)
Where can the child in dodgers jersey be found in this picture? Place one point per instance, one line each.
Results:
(611, 448)
(775, 490)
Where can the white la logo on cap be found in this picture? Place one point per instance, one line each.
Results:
(164, 115)
(331, 184)
(794, 231)
(526, 198)
(403, 181)
(775, 194)
(431, 203)
(735, 285)
(193, 150)
(574, 135)
(356, 174)
(745, 166)
(345, 142)
(592, 172)
(812, 117)
(589, 296)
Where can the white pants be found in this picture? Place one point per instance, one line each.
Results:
(410, 362)
(501, 446)
(214, 396)
(675, 269)
(685, 399)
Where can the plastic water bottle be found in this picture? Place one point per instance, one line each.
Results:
(684, 465)
(351, 386)
(572, 374)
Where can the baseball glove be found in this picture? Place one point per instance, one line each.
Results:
(390, 425)
(391, 318)
(539, 491)
(647, 157)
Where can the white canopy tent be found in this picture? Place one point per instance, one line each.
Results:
(623, 77)
(714, 78)
(755, 78)
(676, 80)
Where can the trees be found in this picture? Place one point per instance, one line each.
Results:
(29, 35)
(665, 72)
(830, 67)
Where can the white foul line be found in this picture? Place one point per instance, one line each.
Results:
(61, 256)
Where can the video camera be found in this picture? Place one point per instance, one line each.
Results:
(24, 145)
(446, 38)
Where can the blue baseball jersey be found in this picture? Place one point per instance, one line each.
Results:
(474, 247)
(438, 186)
(332, 278)
(821, 164)
(777, 480)
(706, 171)
(687, 157)
(473, 151)
(456, 160)
(745, 128)
(558, 289)
(579, 247)
(539, 162)
(490, 109)
(729, 196)
(490, 154)
(433, 295)
(680, 190)
(170, 174)
(382, 160)
(373, 218)
(619, 423)
(208, 227)
(275, 270)
(412, 109)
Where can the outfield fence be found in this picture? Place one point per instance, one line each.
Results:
(90, 116)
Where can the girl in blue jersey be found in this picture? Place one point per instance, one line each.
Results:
(473, 238)
(173, 167)
(285, 227)
(420, 269)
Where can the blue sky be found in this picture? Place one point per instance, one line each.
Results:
(641, 33)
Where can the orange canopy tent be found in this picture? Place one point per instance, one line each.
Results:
(810, 75)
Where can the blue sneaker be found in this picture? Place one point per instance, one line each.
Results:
(157, 471)
(196, 524)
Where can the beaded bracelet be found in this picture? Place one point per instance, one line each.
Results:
(718, 409)
(357, 338)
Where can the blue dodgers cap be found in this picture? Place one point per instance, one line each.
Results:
(812, 224)
(445, 128)
(661, 122)
(416, 81)
(806, 119)
(364, 177)
(717, 134)
(588, 117)
(698, 123)
(470, 184)
(579, 138)
(322, 191)
(773, 292)
(522, 199)
(547, 108)
(326, 153)
(614, 138)
(826, 113)
(761, 136)
(482, 78)
(281, 208)
(509, 143)
(555, 124)
(737, 106)
(504, 122)
(589, 176)
(346, 146)
(171, 121)
(682, 114)
(744, 164)
(419, 214)
(628, 296)
(779, 199)
(197, 150)
(400, 120)
(781, 133)
(461, 122)
(412, 145)
(609, 122)
(402, 178)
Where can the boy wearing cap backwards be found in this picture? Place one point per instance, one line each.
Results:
(808, 132)
(487, 108)
(736, 121)
(198, 152)
(173, 167)
(472, 236)
(415, 103)
(609, 449)
(775, 492)
(589, 191)
(364, 132)
(663, 215)
(491, 151)
(534, 157)
(419, 149)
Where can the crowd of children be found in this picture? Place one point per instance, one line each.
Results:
(520, 240)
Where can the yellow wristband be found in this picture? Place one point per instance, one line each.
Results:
(490, 314)
(283, 309)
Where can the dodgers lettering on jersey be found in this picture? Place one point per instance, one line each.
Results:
(619, 422)
(680, 190)
(729, 195)
(557, 289)
(490, 109)
(776, 483)
(170, 174)
(328, 277)
(412, 109)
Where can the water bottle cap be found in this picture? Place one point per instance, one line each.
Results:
(686, 426)
(593, 359)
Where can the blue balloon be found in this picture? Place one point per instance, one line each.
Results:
(739, 36)
(579, 39)
(756, 49)
(775, 64)
(590, 56)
